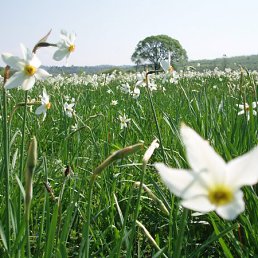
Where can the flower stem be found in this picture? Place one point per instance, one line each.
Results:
(22, 157)
(85, 246)
(179, 243)
(155, 117)
(6, 159)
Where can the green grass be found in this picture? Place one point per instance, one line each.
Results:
(58, 221)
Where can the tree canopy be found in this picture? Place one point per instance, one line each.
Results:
(153, 49)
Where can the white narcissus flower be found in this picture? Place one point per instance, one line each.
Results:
(45, 105)
(27, 69)
(123, 121)
(68, 108)
(212, 184)
(246, 109)
(65, 46)
(141, 79)
(166, 66)
(136, 93)
(125, 88)
(114, 102)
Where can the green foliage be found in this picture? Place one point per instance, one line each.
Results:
(153, 49)
(207, 103)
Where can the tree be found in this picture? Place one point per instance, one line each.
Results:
(153, 49)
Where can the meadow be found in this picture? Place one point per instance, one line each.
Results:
(93, 195)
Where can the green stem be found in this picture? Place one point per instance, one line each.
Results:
(21, 168)
(137, 208)
(6, 162)
(113, 157)
(86, 248)
(179, 243)
(27, 221)
(155, 118)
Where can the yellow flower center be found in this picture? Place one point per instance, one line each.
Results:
(48, 105)
(171, 69)
(30, 70)
(71, 48)
(220, 195)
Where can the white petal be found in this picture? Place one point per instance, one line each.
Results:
(45, 97)
(254, 104)
(241, 106)
(69, 114)
(198, 203)
(180, 182)
(72, 37)
(41, 74)
(244, 169)
(202, 157)
(15, 81)
(64, 33)
(35, 61)
(41, 109)
(60, 54)
(241, 112)
(27, 54)
(44, 116)
(165, 65)
(232, 210)
(13, 61)
(70, 106)
(28, 83)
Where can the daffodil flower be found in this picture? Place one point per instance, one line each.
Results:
(212, 184)
(45, 105)
(123, 121)
(114, 102)
(136, 93)
(27, 69)
(125, 88)
(246, 109)
(141, 79)
(166, 66)
(65, 46)
(69, 109)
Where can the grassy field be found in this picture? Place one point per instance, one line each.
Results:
(78, 211)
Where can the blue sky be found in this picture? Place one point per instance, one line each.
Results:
(109, 30)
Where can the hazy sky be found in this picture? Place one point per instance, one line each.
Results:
(109, 30)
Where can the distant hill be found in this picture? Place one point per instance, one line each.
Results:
(249, 62)
(86, 69)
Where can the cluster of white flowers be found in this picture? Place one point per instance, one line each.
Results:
(28, 68)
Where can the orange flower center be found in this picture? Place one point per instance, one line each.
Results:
(30, 70)
(48, 105)
(171, 69)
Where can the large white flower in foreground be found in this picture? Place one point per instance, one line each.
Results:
(27, 69)
(212, 184)
(65, 46)
(45, 105)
